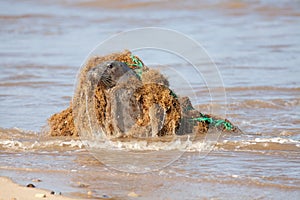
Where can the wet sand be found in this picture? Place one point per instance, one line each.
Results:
(12, 191)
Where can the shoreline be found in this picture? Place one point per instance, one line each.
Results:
(10, 190)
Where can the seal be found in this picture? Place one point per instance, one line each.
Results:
(125, 105)
(111, 86)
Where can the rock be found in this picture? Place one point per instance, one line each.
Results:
(89, 193)
(52, 192)
(40, 195)
(36, 180)
(82, 185)
(30, 185)
(133, 194)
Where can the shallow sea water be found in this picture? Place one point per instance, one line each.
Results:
(256, 47)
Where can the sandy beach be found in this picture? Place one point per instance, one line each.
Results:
(12, 191)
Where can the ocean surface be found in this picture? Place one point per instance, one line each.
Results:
(254, 44)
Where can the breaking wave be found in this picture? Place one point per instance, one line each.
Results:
(19, 140)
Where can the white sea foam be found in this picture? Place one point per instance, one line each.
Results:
(134, 145)
(26, 145)
(278, 140)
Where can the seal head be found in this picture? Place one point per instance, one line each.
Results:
(113, 72)
(107, 74)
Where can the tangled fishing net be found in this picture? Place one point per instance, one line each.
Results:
(136, 102)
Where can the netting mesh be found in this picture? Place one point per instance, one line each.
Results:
(118, 96)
